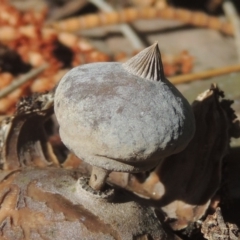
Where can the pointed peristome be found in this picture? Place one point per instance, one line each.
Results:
(146, 64)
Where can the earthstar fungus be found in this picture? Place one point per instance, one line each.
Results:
(122, 117)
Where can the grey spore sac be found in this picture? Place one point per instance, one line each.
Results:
(119, 116)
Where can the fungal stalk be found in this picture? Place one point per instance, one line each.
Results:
(98, 178)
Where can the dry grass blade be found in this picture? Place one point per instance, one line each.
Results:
(233, 17)
(26, 77)
(66, 10)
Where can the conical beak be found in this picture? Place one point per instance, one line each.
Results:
(146, 64)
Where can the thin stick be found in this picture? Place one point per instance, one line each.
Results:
(19, 82)
(126, 29)
(205, 74)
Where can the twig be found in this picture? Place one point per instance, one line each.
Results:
(198, 19)
(205, 74)
(19, 82)
(232, 15)
(126, 29)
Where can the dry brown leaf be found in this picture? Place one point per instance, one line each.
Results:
(23, 139)
(215, 228)
(184, 183)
